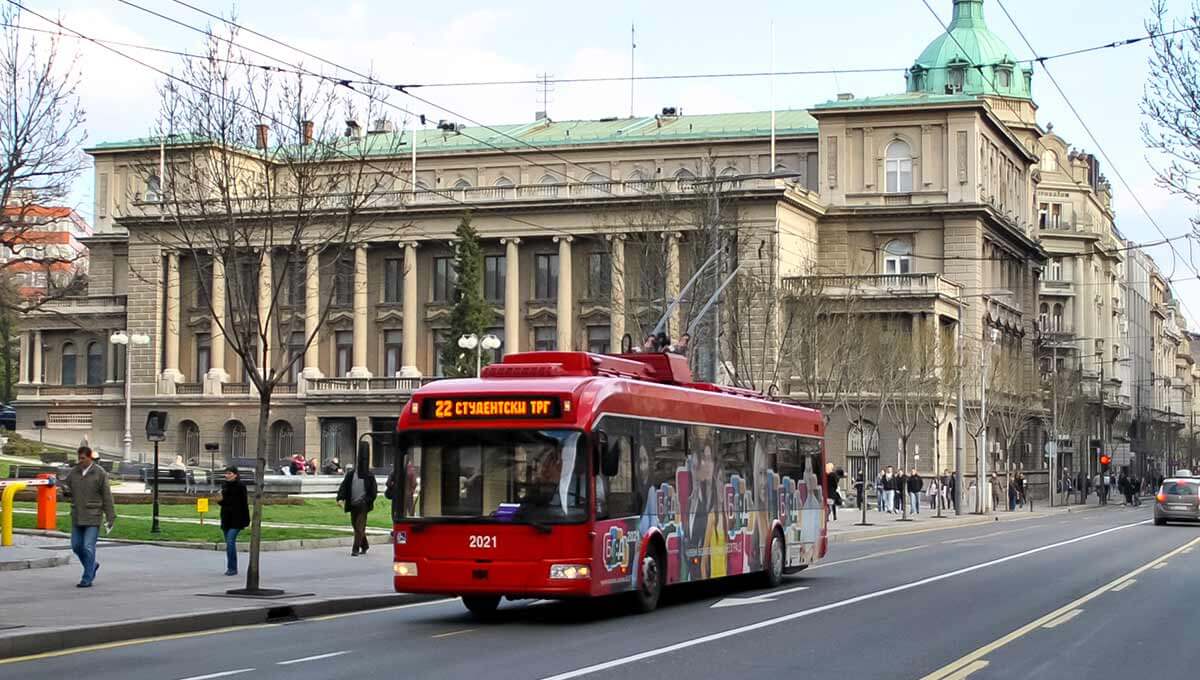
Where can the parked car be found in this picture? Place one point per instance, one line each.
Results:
(8, 417)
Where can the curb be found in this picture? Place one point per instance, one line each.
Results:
(35, 563)
(56, 639)
(265, 546)
(848, 537)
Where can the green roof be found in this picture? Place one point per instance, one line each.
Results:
(969, 58)
(904, 99)
(550, 133)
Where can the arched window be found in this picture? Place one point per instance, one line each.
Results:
(235, 441)
(595, 178)
(548, 179)
(636, 176)
(281, 443)
(1056, 322)
(462, 184)
(685, 179)
(1044, 316)
(730, 172)
(957, 78)
(898, 165)
(95, 364)
(422, 185)
(504, 182)
(549, 185)
(1049, 161)
(897, 257)
(1056, 269)
(189, 442)
(69, 373)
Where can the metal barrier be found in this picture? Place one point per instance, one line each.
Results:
(47, 504)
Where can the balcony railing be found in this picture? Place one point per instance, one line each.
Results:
(83, 304)
(189, 388)
(235, 388)
(360, 385)
(33, 391)
(874, 285)
(481, 194)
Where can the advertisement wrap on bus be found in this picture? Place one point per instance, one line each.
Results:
(567, 474)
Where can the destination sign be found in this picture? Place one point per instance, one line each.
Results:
(500, 408)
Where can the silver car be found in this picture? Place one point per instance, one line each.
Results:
(1178, 500)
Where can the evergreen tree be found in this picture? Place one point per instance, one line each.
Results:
(471, 313)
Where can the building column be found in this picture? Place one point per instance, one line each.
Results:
(672, 287)
(870, 169)
(265, 317)
(617, 291)
(312, 316)
(216, 372)
(171, 374)
(566, 299)
(358, 368)
(512, 294)
(412, 315)
(110, 358)
(25, 359)
(36, 378)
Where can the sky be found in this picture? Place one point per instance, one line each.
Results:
(404, 42)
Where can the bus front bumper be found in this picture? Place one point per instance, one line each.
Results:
(514, 579)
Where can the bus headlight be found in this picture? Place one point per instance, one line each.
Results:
(569, 571)
(404, 568)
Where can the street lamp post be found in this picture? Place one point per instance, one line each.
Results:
(125, 339)
(960, 460)
(472, 342)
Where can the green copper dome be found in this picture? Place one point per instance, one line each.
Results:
(969, 59)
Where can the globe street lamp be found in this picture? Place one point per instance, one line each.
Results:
(474, 342)
(125, 339)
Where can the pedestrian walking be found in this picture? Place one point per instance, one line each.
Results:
(879, 492)
(833, 478)
(860, 488)
(915, 484)
(901, 491)
(357, 495)
(994, 483)
(235, 515)
(889, 491)
(950, 485)
(91, 505)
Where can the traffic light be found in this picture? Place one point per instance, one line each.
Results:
(1105, 459)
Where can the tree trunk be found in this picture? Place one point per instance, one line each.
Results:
(260, 467)
(903, 467)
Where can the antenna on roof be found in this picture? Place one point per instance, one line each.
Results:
(772, 96)
(632, 53)
(544, 88)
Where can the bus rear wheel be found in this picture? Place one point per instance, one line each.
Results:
(652, 574)
(774, 573)
(481, 606)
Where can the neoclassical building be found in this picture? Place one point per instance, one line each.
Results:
(946, 207)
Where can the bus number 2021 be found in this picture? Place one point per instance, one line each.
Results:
(482, 541)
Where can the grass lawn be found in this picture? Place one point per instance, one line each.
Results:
(139, 530)
(316, 511)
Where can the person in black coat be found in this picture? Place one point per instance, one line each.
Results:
(235, 515)
(357, 495)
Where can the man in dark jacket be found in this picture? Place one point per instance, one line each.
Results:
(901, 490)
(915, 484)
(235, 515)
(357, 495)
(91, 503)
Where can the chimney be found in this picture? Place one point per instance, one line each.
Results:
(539, 115)
(382, 125)
(260, 136)
(306, 128)
(845, 96)
(353, 129)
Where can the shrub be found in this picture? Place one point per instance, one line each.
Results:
(22, 447)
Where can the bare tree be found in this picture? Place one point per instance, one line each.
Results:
(940, 375)
(1015, 406)
(41, 132)
(902, 379)
(257, 186)
(979, 378)
(865, 393)
(1171, 103)
(821, 317)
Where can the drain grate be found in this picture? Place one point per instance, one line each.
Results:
(281, 614)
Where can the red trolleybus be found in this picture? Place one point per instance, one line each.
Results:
(567, 474)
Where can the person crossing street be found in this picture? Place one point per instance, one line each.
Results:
(91, 505)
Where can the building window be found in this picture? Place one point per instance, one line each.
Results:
(1056, 269)
(445, 279)
(1049, 161)
(897, 257)
(203, 355)
(898, 165)
(599, 276)
(204, 280)
(296, 343)
(343, 282)
(1044, 316)
(153, 189)
(294, 276)
(68, 364)
(954, 85)
(1003, 78)
(544, 339)
(343, 351)
(392, 346)
(545, 285)
(598, 339)
(393, 280)
(95, 364)
(462, 184)
(493, 278)
(440, 339)
(652, 280)
(504, 183)
(1056, 322)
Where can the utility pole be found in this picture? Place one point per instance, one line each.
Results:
(960, 460)
(1053, 421)
(982, 452)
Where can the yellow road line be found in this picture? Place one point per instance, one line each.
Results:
(127, 643)
(1123, 585)
(943, 672)
(1063, 619)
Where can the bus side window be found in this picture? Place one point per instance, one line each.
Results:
(791, 462)
(810, 451)
(615, 495)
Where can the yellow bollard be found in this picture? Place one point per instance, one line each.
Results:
(6, 510)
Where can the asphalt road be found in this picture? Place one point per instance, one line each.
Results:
(1102, 593)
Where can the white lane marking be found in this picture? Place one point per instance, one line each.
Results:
(222, 674)
(994, 533)
(963, 672)
(755, 599)
(453, 633)
(633, 658)
(823, 565)
(1123, 585)
(1160, 565)
(1063, 619)
(1186, 551)
(330, 655)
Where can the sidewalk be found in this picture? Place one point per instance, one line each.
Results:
(171, 590)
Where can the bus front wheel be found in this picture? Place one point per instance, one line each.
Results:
(483, 605)
(651, 577)
(774, 573)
